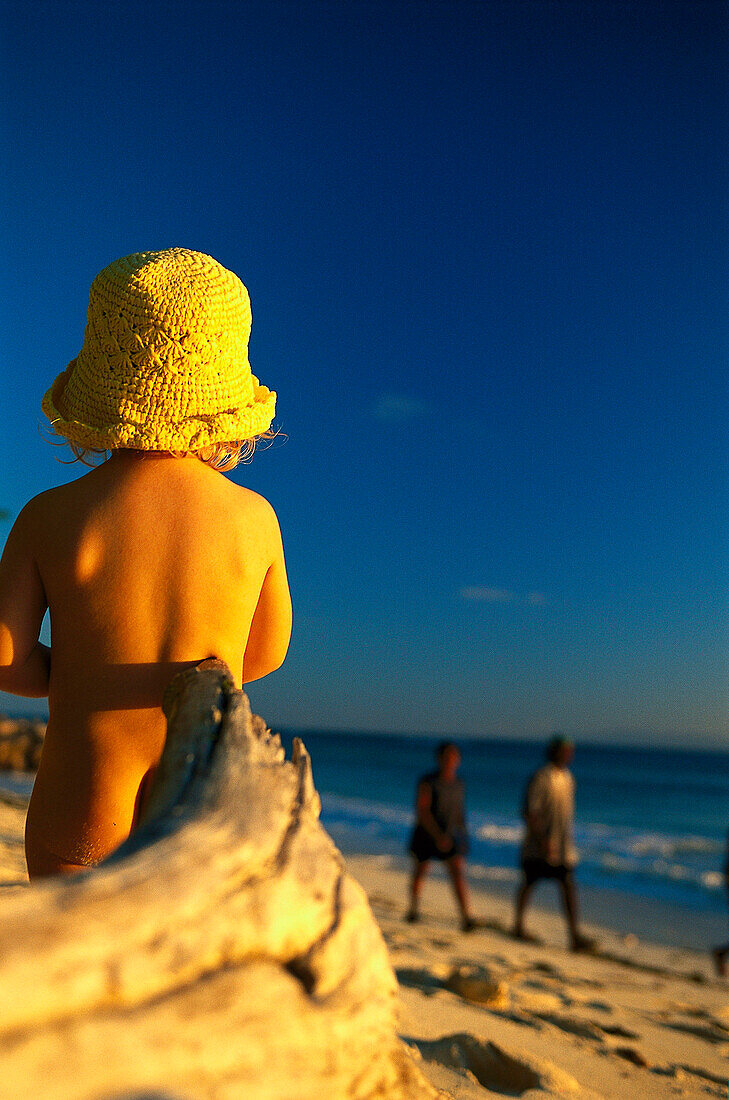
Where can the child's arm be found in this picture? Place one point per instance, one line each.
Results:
(270, 633)
(24, 661)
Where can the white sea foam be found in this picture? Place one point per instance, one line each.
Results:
(653, 844)
(362, 809)
(501, 834)
(627, 858)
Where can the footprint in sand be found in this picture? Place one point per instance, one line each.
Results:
(598, 1006)
(573, 1025)
(585, 1029)
(419, 978)
(146, 1094)
(630, 1054)
(495, 1068)
(619, 1032)
(696, 1071)
(711, 1032)
(441, 943)
(560, 978)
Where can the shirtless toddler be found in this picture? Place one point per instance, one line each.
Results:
(153, 560)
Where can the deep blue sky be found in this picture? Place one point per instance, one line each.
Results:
(487, 248)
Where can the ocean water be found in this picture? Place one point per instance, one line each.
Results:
(649, 822)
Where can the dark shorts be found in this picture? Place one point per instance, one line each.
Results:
(535, 869)
(423, 847)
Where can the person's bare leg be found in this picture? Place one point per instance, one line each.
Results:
(456, 869)
(522, 897)
(578, 942)
(569, 905)
(420, 870)
(719, 955)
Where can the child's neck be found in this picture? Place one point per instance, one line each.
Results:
(127, 454)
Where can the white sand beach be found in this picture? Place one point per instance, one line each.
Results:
(491, 1017)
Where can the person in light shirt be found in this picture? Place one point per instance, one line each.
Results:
(548, 851)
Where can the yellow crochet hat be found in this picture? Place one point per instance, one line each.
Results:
(164, 365)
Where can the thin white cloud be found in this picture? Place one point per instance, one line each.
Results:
(487, 595)
(536, 599)
(393, 408)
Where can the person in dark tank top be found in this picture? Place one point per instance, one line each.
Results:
(440, 831)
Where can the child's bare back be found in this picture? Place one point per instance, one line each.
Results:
(149, 564)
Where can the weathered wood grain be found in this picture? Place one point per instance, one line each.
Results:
(221, 953)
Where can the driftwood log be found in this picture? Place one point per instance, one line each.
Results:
(222, 952)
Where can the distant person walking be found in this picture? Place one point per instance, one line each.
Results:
(548, 851)
(720, 953)
(440, 831)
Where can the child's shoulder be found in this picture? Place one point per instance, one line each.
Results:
(33, 522)
(248, 498)
(55, 508)
(57, 499)
(40, 506)
(255, 508)
(43, 518)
